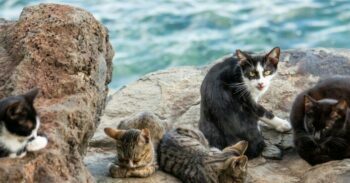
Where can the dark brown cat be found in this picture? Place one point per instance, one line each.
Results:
(186, 154)
(320, 119)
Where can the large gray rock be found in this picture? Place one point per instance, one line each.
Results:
(173, 95)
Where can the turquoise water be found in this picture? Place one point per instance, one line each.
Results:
(150, 35)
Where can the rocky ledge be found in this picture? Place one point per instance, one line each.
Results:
(173, 95)
(65, 52)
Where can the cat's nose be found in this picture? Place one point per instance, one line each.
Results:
(260, 86)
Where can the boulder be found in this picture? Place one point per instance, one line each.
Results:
(66, 53)
(173, 95)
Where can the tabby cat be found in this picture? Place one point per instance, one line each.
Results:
(136, 139)
(19, 124)
(186, 154)
(321, 121)
(229, 111)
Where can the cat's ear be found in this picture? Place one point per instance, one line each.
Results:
(31, 94)
(114, 133)
(239, 147)
(309, 103)
(146, 136)
(235, 163)
(339, 109)
(342, 105)
(14, 109)
(242, 57)
(241, 163)
(273, 56)
(348, 115)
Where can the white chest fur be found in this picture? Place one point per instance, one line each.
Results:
(12, 142)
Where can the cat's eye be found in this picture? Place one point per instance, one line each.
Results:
(251, 74)
(266, 73)
(136, 161)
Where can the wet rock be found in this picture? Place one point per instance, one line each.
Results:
(173, 95)
(65, 52)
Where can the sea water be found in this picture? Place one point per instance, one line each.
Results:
(150, 35)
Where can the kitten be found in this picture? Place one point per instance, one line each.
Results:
(135, 153)
(19, 124)
(320, 118)
(186, 154)
(229, 108)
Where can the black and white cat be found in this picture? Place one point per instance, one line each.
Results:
(19, 124)
(229, 108)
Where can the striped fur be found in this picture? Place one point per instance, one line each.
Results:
(186, 154)
(135, 153)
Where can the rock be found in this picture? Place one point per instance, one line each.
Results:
(272, 152)
(334, 171)
(173, 95)
(65, 52)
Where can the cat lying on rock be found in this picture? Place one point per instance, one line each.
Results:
(19, 124)
(320, 118)
(186, 154)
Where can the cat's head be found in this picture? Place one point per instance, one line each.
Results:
(235, 170)
(235, 167)
(321, 114)
(257, 71)
(19, 115)
(134, 147)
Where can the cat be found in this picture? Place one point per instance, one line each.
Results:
(19, 124)
(147, 120)
(135, 153)
(320, 118)
(186, 154)
(136, 140)
(229, 111)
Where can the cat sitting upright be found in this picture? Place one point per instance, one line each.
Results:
(320, 118)
(229, 111)
(19, 124)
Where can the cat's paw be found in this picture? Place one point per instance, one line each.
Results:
(283, 126)
(15, 155)
(38, 143)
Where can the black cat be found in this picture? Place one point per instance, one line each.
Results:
(19, 124)
(321, 121)
(229, 108)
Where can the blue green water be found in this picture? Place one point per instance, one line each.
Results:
(150, 35)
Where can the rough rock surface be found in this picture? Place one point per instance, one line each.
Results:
(173, 95)
(65, 52)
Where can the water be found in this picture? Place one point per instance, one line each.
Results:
(150, 35)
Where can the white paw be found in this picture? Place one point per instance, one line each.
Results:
(14, 155)
(283, 126)
(261, 123)
(38, 143)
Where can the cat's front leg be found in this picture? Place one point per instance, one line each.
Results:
(142, 171)
(39, 142)
(116, 171)
(271, 120)
(16, 155)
